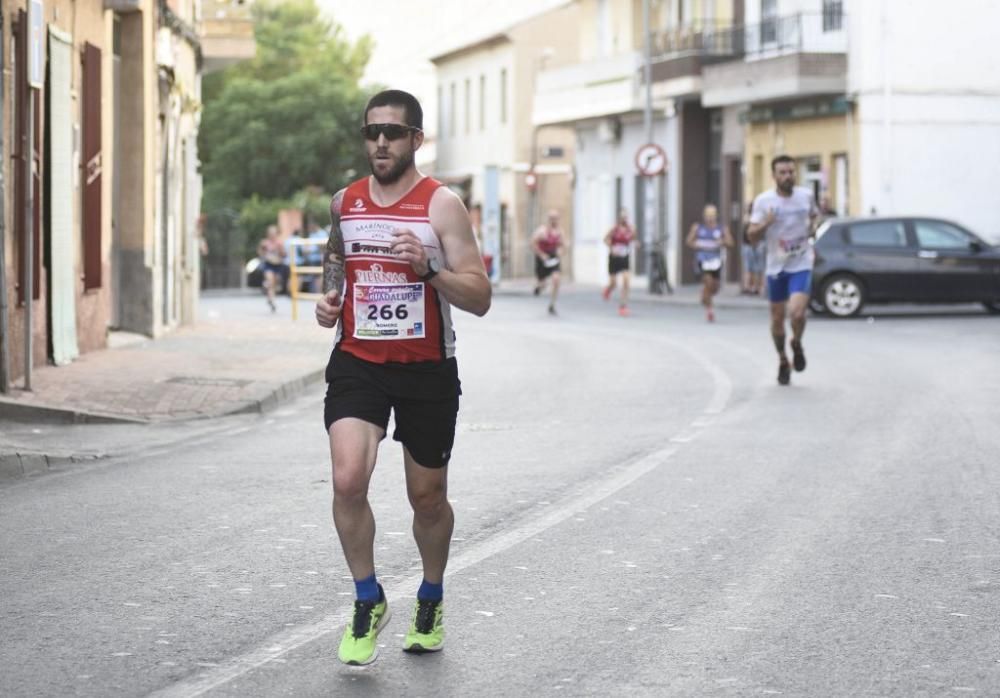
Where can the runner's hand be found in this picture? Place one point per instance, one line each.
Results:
(407, 246)
(772, 213)
(328, 309)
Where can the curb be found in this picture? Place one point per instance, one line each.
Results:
(31, 412)
(17, 465)
(283, 393)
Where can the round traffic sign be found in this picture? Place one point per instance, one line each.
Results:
(650, 160)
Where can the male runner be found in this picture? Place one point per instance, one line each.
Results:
(619, 240)
(401, 252)
(707, 239)
(786, 217)
(547, 243)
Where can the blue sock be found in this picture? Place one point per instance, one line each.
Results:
(366, 589)
(430, 592)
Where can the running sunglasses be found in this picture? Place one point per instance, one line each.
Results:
(392, 132)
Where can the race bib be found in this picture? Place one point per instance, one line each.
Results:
(713, 264)
(389, 311)
(793, 247)
(619, 250)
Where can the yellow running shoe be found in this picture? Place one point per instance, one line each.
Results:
(357, 646)
(426, 631)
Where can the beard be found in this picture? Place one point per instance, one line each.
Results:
(399, 167)
(786, 187)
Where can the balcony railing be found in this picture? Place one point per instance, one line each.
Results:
(799, 33)
(706, 39)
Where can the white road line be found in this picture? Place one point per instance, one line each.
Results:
(281, 643)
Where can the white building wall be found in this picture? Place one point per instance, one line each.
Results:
(598, 165)
(464, 149)
(927, 87)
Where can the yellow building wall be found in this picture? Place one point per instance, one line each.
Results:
(824, 138)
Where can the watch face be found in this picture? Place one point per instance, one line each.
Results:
(433, 265)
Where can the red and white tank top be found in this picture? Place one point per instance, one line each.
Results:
(621, 240)
(389, 314)
(550, 241)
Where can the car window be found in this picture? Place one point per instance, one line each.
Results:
(879, 234)
(940, 235)
(829, 234)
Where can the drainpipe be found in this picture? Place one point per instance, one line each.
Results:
(4, 327)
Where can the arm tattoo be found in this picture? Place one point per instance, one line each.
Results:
(333, 260)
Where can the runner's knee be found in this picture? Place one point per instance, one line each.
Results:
(428, 499)
(350, 480)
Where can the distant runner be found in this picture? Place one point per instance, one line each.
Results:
(547, 244)
(708, 238)
(620, 241)
(271, 251)
(786, 218)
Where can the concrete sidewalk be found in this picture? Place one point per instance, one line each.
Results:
(239, 358)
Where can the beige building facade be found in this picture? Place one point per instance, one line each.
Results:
(509, 172)
(116, 191)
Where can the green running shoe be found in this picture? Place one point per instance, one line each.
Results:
(426, 631)
(358, 646)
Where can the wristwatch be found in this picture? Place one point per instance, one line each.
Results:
(433, 267)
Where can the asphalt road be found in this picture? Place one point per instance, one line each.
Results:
(640, 510)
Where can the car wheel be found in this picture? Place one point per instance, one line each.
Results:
(843, 295)
(992, 307)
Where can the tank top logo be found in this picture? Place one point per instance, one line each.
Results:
(376, 275)
(359, 205)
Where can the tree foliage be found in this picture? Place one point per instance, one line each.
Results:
(285, 122)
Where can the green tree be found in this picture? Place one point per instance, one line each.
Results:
(285, 122)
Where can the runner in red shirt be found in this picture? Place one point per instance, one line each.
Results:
(401, 252)
(619, 240)
(547, 244)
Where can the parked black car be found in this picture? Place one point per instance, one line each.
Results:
(907, 260)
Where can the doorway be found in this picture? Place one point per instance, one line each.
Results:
(811, 174)
(732, 213)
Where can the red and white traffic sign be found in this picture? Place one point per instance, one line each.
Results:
(650, 160)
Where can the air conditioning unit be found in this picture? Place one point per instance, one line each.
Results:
(609, 130)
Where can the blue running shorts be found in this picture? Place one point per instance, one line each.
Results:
(782, 285)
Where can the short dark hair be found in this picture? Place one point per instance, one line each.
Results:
(397, 98)
(780, 159)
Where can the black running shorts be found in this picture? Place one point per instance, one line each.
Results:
(423, 397)
(543, 271)
(616, 264)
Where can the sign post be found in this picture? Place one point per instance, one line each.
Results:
(651, 162)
